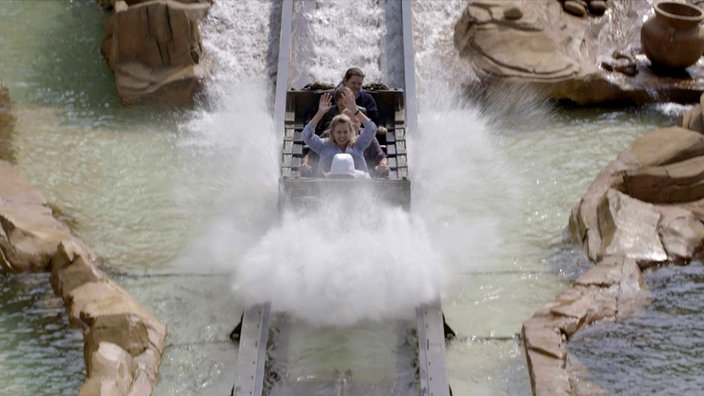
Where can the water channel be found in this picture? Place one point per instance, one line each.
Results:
(178, 202)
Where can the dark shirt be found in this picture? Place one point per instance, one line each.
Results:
(365, 99)
(324, 122)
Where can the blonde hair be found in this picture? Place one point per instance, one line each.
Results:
(345, 121)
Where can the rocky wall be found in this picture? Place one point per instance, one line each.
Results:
(123, 342)
(645, 208)
(154, 49)
(587, 52)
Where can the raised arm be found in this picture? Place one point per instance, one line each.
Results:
(323, 106)
(309, 136)
(368, 133)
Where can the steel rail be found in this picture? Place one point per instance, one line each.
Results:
(253, 338)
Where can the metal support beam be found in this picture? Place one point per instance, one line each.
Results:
(409, 59)
(251, 356)
(431, 351)
(282, 69)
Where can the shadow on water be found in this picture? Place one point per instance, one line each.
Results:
(567, 262)
(523, 107)
(7, 127)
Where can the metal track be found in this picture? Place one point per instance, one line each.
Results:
(251, 356)
(431, 351)
(409, 67)
(282, 68)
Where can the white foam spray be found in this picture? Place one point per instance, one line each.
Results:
(330, 36)
(343, 262)
(232, 140)
(462, 187)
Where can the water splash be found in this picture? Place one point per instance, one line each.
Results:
(462, 187)
(239, 146)
(438, 64)
(342, 263)
(230, 151)
(673, 109)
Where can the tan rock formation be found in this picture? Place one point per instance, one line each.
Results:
(692, 119)
(154, 49)
(567, 51)
(645, 208)
(629, 209)
(609, 290)
(29, 234)
(522, 48)
(123, 342)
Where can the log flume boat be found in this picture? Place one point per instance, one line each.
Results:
(296, 188)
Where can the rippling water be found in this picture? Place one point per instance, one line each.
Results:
(174, 201)
(660, 349)
(38, 355)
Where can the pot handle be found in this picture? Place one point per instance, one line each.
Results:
(670, 34)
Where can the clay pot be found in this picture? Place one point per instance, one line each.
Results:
(672, 38)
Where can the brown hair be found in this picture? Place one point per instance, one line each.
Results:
(337, 95)
(353, 71)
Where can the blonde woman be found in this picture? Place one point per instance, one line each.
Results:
(343, 138)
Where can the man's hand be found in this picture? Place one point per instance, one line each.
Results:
(382, 169)
(348, 101)
(304, 168)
